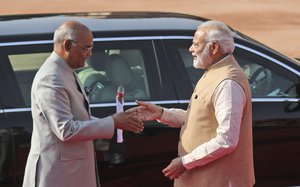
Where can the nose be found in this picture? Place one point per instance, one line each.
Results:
(191, 49)
(89, 53)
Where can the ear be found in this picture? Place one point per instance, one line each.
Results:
(214, 47)
(67, 44)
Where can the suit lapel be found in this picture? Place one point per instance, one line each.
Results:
(80, 88)
(60, 61)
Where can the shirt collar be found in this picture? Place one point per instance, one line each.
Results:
(215, 65)
(60, 61)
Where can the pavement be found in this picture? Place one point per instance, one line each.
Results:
(275, 23)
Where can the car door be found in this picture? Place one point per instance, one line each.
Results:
(19, 62)
(276, 113)
(148, 79)
(275, 97)
(139, 65)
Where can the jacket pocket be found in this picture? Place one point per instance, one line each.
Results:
(198, 97)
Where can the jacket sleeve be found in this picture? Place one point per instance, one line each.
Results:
(54, 107)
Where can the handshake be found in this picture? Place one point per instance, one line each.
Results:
(133, 118)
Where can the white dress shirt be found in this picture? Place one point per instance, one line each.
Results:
(229, 101)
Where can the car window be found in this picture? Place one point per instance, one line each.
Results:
(25, 67)
(113, 64)
(193, 73)
(266, 78)
(185, 76)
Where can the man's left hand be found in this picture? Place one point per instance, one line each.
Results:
(174, 169)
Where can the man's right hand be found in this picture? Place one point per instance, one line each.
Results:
(148, 111)
(128, 121)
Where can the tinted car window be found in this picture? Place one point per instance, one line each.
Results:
(20, 64)
(193, 73)
(266, 78)
(25, 67)
(113, 64)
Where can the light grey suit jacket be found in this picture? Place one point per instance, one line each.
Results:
(62, 153)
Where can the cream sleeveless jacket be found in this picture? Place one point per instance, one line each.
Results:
(235, 169)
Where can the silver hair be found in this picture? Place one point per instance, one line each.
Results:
(67, 32)
(219, 31)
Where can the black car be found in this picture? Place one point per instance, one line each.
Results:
(153, 63)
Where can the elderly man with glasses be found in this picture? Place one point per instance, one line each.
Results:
(62, 152)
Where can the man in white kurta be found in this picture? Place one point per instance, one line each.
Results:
(215, 144)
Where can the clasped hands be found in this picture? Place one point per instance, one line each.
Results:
(133, 119)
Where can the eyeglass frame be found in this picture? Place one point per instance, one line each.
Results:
(87, 48)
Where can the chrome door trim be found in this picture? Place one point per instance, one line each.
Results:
(268, 57)
(262, 100)
(5, 44)
(255, 100)
(178, 37)
(37, 42)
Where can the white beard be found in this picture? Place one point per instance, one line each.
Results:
(197, 63)
(203, 60)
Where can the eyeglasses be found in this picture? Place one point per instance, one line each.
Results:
(87, 48)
